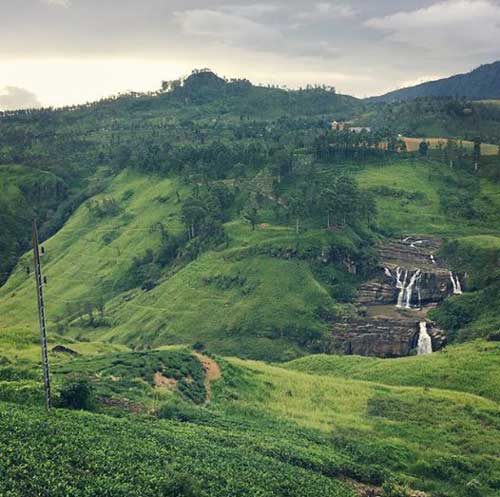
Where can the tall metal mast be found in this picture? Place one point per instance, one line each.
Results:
(41, 316)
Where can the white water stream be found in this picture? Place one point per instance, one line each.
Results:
(457, 287)
(424, 345)
(406, 287)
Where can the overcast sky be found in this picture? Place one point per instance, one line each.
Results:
(56, 52)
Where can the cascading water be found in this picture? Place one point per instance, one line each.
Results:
(401, 285)
(409, 288)
(457, 287)
(424, 345)
(406, 290)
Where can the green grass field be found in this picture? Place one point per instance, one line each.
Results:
(267, 430)
(418, 210)
(472, 367)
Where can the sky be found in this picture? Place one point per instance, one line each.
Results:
(60, 52)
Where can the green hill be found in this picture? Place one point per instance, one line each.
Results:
(471, 367)
(198, 243)
(258, 293)
(480, 84)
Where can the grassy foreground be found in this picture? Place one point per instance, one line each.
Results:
(264, 430)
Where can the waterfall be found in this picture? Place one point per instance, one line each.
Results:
(409, 289)
(401, 285)
(406, 290)
(433, 259)
(387, 272)
(424, 345)
(457, 287)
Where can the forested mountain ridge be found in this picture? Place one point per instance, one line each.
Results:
(482, 83)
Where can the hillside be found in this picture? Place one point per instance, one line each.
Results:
(327, 436)
(259, 294)
(214, 257)
(480, 84)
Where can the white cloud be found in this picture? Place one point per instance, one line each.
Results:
(420, 80)
(461, 27)
(254, 11)
(324, 11)
(58, 3)
(225, 28)
(14, 98)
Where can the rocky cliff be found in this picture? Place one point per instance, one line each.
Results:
(391, 306)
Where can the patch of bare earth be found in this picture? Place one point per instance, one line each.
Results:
(164, 383)
(363, 490)
(212, 372)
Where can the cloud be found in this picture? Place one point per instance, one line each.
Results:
(58, 3)
(228, 29)
(14, 98)
(323, 11)
(255, 11)
(461, 27)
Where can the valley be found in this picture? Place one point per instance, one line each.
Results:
(242, 301)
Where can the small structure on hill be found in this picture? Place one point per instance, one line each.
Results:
(341, 126)
(337, 126)
(360, 129)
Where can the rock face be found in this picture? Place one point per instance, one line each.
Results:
(381, 337)
(410, 281)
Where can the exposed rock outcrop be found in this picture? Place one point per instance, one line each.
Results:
(381, 336)
(410, 280)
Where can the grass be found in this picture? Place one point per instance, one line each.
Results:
(412, 145)
(267, 431)
(418, 434)
(472, 367)
(259, 296)
(248, 297)
(417, 208)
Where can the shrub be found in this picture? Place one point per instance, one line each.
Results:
(184, 412)
(392, 489)
(77, 394)
(181, 485)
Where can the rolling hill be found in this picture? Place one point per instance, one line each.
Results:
(204, 240)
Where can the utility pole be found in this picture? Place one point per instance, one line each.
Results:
(41, 316)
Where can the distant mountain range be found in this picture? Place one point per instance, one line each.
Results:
(479, 84)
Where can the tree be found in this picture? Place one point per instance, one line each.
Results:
(252, 216)
(297, 206)
(477, 152)
(192, 213)
(423, 148)
(346, 199)
(328, 204)
(77, 394)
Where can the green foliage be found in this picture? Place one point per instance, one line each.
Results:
(132, 375)
(77, 394)
(472, 367)
(476, 313)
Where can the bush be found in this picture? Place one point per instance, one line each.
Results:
(393, 489)
(184, 412)
(77, 394)
(181, 485)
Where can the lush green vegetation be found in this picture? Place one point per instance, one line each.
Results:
(266, 430)
(476, 313)
(471, 367)
(222, 218)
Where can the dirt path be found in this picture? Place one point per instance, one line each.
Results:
(212, 372)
